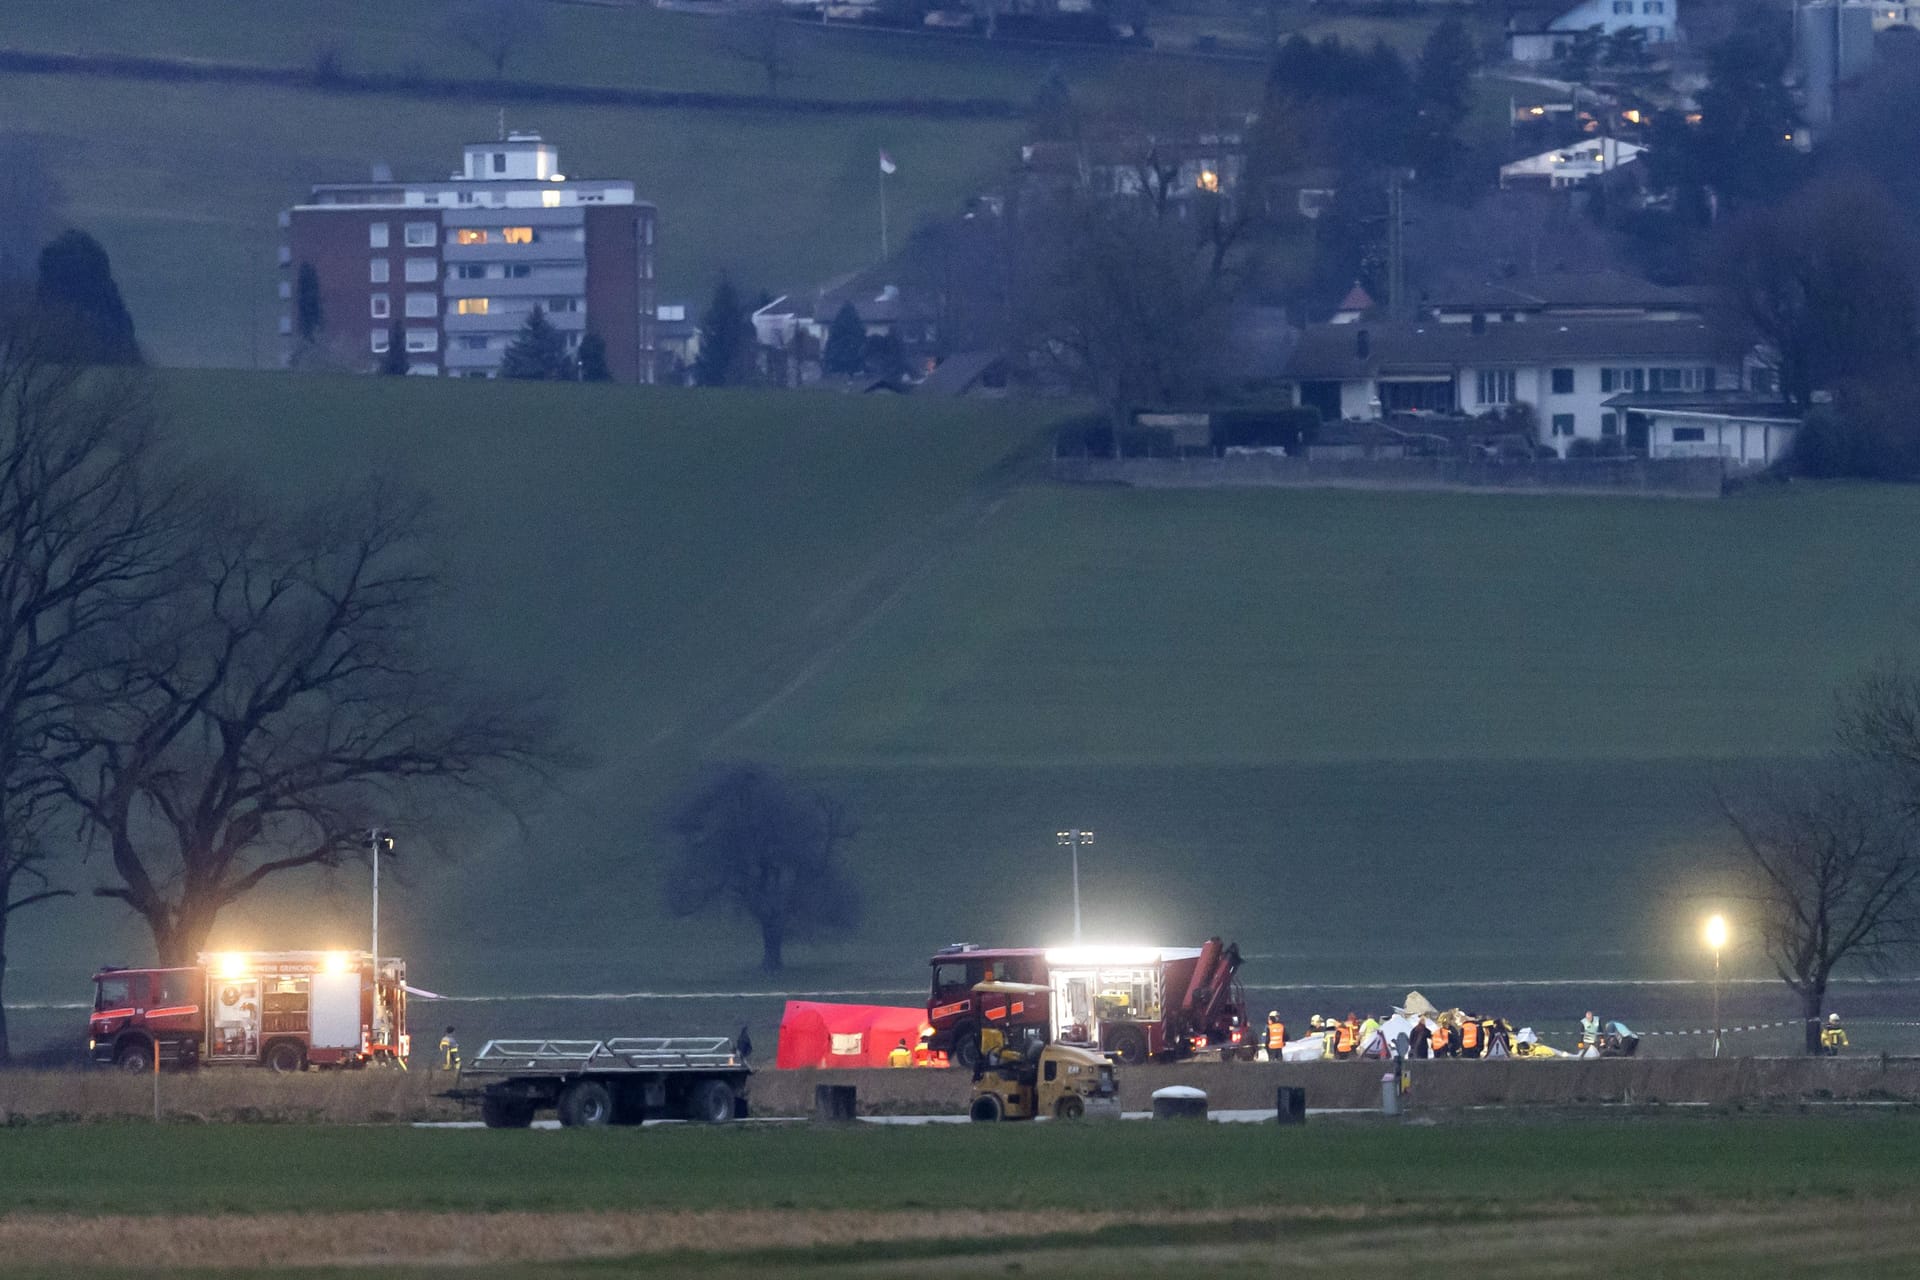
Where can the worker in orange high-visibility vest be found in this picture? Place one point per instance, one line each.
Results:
(1441, 1042)
(1470, 1038)
(1276, 1034)
(1346, 1037)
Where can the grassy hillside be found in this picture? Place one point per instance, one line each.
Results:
(1378, 738)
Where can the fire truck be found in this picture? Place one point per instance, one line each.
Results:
(1133, 1002)
(285, 1010)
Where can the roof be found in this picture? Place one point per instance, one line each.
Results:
(1357, 299)
(958, 372)
(1716, 404)
(1572, 289)
(1586, 157)
(1332, 351)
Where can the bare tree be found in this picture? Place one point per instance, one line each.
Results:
(761, 33)
(773, 855)
(1123, 303)
(1833, 871)
(497, 29)
(83, 542)
(278, 704)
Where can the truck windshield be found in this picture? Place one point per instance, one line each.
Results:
(113, 993)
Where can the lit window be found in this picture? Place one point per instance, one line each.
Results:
(1208, 180)
(470, 235)
(422, 270)
(379, 341)
(472, 306)
(378, 270)
(381, 307)
(376, 235)
(517, 235)
(423, 305)
(423, 339)
(422, 235)
(551, 199)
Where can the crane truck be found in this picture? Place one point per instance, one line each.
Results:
(1135, 1003)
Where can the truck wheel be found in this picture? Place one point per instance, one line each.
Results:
(135, 1056)
(711, 1103)
(1129, 1044)
(586, 1104)
(966, 1045)
(505, 1113)
(285, 1057)
(987, 1109)
(1071, 1107)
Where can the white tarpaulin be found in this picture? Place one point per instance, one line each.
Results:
(1306, 1049)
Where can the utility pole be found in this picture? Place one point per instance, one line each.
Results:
(1073, 840)
(1396, 246)
(378, 838)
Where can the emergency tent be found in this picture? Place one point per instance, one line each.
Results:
(814, 1034)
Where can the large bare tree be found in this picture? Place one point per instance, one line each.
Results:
(750, 843)
(282, 701)
(1832, 869)
(85, 541)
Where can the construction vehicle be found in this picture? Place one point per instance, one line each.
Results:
(607, 1082)
(1133, 1002)
(1026, 1076)
(286, 1010)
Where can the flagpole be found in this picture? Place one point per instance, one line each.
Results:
(883, 214)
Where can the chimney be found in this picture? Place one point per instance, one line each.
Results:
(1363, 344)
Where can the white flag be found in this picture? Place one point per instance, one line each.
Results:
(886, 163)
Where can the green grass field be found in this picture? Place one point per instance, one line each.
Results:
(1334, 726)
(1721, 1194)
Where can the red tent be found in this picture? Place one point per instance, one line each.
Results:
(844, 1035)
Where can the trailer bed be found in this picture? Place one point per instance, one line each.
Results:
(620, 1080)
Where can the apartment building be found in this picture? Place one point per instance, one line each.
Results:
(454, 267)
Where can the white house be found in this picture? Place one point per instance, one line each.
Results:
(1746, 430)
(1571, 166)
(1566, 370)
(1543, 32)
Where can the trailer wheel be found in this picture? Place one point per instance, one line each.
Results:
(711, 1103)
(965, 1052)
(505, 1113)
(135, 1056)
(1071, 1107)
(1129, 1044)
(586, 1104)
(285, 1057)
(987, 1109)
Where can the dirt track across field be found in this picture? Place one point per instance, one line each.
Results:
(1873, 1238)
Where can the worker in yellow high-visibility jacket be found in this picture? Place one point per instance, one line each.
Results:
(1833, 1036)
(901, 1056)
(449, 1051)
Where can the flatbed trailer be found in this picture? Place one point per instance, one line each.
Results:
(601, 1082)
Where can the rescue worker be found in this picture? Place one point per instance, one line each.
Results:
(1347, 1036)
(1367, 1029)
(449, 1051)
(1327, 1036)
(1590, 1032)
(1276, 1035)
(1440, 1043)
(900, 1056)
(923, 1047)
(1833, 1036)
(1469, 1037)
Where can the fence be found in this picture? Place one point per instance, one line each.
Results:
(1673, 477)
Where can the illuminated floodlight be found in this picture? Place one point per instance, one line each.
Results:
(1099, 957)
(1716, 932)
(336, 962)
(232, 964)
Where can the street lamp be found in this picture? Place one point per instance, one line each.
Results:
(1073, 840)
(378, 840)
(1716, 936)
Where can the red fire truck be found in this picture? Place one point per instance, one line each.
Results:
(1134, 1002)
(280, 1009)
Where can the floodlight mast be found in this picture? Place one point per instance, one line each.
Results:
(378, 838)
(1073, 840)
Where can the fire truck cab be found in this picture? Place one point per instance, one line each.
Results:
(280, 1009)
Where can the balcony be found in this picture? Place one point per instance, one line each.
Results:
(561, 283)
